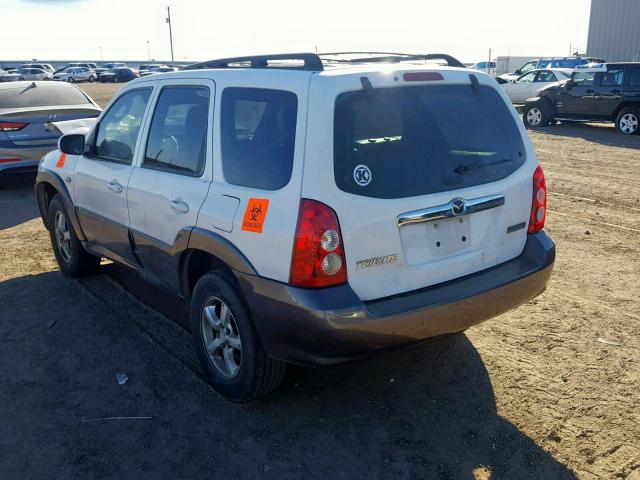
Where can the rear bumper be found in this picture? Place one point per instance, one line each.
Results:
(22, 166)
(328, 326)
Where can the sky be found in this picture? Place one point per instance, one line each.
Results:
(206, 29)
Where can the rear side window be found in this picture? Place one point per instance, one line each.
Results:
(178, 134)
(634, 77)
(612, 78)
(41, 96)
(258, 136)
(408, 141)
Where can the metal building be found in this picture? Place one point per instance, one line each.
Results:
(614, 30)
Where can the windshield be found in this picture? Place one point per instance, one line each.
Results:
(419, 140)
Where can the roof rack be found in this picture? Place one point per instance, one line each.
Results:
(310, 61)
(314, 62)
(389, 57)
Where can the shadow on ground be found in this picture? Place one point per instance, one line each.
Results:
(17, 200)
(597, 133)
(424, 412)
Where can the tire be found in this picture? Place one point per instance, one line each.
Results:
(237, 366)
(72, 80)
(92, 79)
(535, 117)
(20, 79)
(74, 261)
(628, 121)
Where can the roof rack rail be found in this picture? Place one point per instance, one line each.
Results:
(390, 57)
(310, 61)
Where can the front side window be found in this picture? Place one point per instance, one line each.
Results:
(546, 76)
(583, 79)
(613, 78)
(178, 133)
(528, 78)
(420, 140)
(118, 130)
(258, 136)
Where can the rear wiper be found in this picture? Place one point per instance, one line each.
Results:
(461, 169)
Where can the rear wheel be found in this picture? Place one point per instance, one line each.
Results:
(627, 121)
(72, 80)
(72, 258)
(227, 342)
(92, 79)
(535, 117)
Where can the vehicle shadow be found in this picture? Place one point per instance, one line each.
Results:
(597, 133)
(17, 200)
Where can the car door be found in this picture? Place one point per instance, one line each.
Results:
(609, 91)
(522, 88)
(102, 173)
(171, 181)
(577, 98)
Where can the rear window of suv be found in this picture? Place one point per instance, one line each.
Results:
(408, 141)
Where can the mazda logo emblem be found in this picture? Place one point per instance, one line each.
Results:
(458, 206)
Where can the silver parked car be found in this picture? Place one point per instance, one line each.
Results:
(27, 74)
(29, 112)
(76, 74)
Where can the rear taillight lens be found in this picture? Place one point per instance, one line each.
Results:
(318, 254)
(538, 202)
(11, 126)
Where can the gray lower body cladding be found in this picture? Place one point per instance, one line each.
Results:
(329, 326)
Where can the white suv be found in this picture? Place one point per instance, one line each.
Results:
(308, 209)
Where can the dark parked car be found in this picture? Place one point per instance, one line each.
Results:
(595, 92)
(116, 75)
(28, 113)
(105, 67)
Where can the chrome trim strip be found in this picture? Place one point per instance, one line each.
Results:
(440, 212)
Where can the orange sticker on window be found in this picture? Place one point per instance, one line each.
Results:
(255, 214)
(61, 160)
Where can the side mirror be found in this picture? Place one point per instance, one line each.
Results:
(518, 72)
(569, 85)
(72, 144)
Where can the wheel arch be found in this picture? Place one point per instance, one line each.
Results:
(48, 185)
(624, 105)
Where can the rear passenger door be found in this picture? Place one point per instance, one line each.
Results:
(172, 178)
(609, 91)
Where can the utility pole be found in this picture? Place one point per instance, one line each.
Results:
(170, 34)
(148, 51)
(101, 57)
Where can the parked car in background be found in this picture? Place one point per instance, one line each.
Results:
(553, 62)
(118, 75)
(105, 67)
(76, 74)
(29, 112)
(486, 67)
(595, 92)
(43, 66)
(157, 69)
(91, 66)
(27, 74)
(528, 84)
(357, 210)
(149, 66)
(2, 73)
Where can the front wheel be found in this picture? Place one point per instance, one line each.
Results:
(627, 121)
(73, 259)
(92, 79)
(72, 80)
(227, 342)
(534, 117)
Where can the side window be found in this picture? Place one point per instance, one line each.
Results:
(258, 129)
(613, 78)
(118, 130)
(634, 78)
(546, 76)
(528, 78)
(178, 134)
(583, 79)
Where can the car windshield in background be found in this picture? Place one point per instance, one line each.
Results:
(41, 96)
(423, 139)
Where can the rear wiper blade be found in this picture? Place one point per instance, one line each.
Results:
(460, 169)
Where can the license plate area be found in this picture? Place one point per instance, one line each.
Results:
(438, 239)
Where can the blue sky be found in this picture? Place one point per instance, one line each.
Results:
(76, 29)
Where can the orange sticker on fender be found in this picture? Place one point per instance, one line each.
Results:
(61, 160)
(255, 215)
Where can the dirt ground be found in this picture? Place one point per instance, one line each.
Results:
(550, 390)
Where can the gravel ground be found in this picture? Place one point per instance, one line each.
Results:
(548, 391)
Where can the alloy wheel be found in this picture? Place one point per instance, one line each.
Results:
(63, 237)
(628, 123)
(534, 117)
(221, 337)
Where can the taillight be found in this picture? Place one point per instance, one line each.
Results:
(318, 254)
(538, 202)
(11, 126)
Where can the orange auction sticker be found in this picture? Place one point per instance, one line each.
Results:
(61, 160)
(255, 214)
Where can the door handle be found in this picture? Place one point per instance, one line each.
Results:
(179, 206)
(115, 187)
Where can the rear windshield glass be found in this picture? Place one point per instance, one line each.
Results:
(41, 96)
(407, 141)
